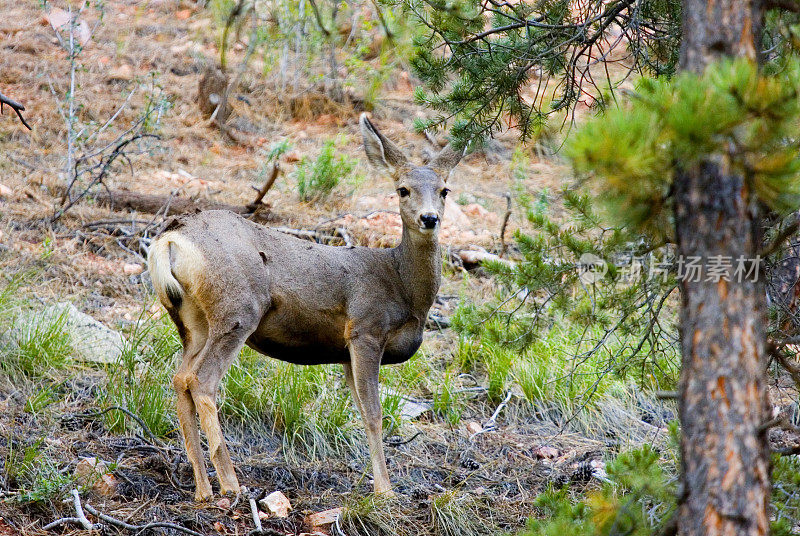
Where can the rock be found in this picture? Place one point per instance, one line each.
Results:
(474, 428)
(132, 268)
(321, 521)
(106, 486)
(224, 503)
(5, 191)
(277, 504)
(183, 14)
(263, 516)
(474, 210)
(599, 470)
(88, 469)
(60, 20)
(94, 472)
(292, 156)
(543, 452)
(91, 340)
(409, 408)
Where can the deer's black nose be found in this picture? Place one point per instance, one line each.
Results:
(429, 221)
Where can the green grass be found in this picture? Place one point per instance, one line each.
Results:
(32, 472)
(141, 380)
(309, 405)
(453, 513)
(557, 366)
(317, 179)
(32, 345)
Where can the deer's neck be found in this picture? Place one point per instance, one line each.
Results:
(420, 267)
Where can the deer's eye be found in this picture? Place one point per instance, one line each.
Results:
(403, 192)
(444, 192)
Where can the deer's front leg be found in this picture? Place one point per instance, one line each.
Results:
(365, 362)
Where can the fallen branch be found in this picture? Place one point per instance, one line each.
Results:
(79, 520)
(474, 257)
(139, 528)
(492, 422)
(257, 202)
(17, 107)
(254, 512)
(154, 204)
(787, 451)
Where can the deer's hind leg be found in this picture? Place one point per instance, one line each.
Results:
(225, 339)
(193, 330)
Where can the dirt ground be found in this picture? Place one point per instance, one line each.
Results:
(93, 257)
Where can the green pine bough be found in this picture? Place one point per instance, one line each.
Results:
(744, 116)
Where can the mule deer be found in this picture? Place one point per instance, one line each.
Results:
(226, 282)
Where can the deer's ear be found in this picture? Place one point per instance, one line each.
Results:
(384, 155)
(445, 161)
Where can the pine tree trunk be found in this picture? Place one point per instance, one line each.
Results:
(723, 398)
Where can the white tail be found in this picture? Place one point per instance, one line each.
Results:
(172, 257)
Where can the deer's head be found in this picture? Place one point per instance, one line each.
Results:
(421, 189)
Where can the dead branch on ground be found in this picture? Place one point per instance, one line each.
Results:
(17, 107)
(138, 529)
(80, 518)
(98, 172)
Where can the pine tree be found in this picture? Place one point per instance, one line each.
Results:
(700, 161)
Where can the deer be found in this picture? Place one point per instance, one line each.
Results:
(226, 281)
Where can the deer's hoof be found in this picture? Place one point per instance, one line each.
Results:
(203, 495)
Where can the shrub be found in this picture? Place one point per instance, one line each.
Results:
(317, 179)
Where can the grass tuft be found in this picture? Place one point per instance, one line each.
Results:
(141, 380)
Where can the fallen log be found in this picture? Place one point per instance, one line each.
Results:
(170, 205)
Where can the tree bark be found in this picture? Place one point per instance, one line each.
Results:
(723, 397)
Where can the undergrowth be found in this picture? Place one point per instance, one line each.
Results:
(33, 346)
(316, 179)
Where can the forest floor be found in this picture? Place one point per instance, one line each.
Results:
(451, 477)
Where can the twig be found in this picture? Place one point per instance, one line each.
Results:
(784, 5)
(254, 513)
(130, 414)
(348, 242)
(139, 528)
(506, 216)
(780, 239)
(490, 424)
(318, 18)
(403, 441)
(17, 107)
(80, 519)
(265, 188)
(791, 368)
(666, 395)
